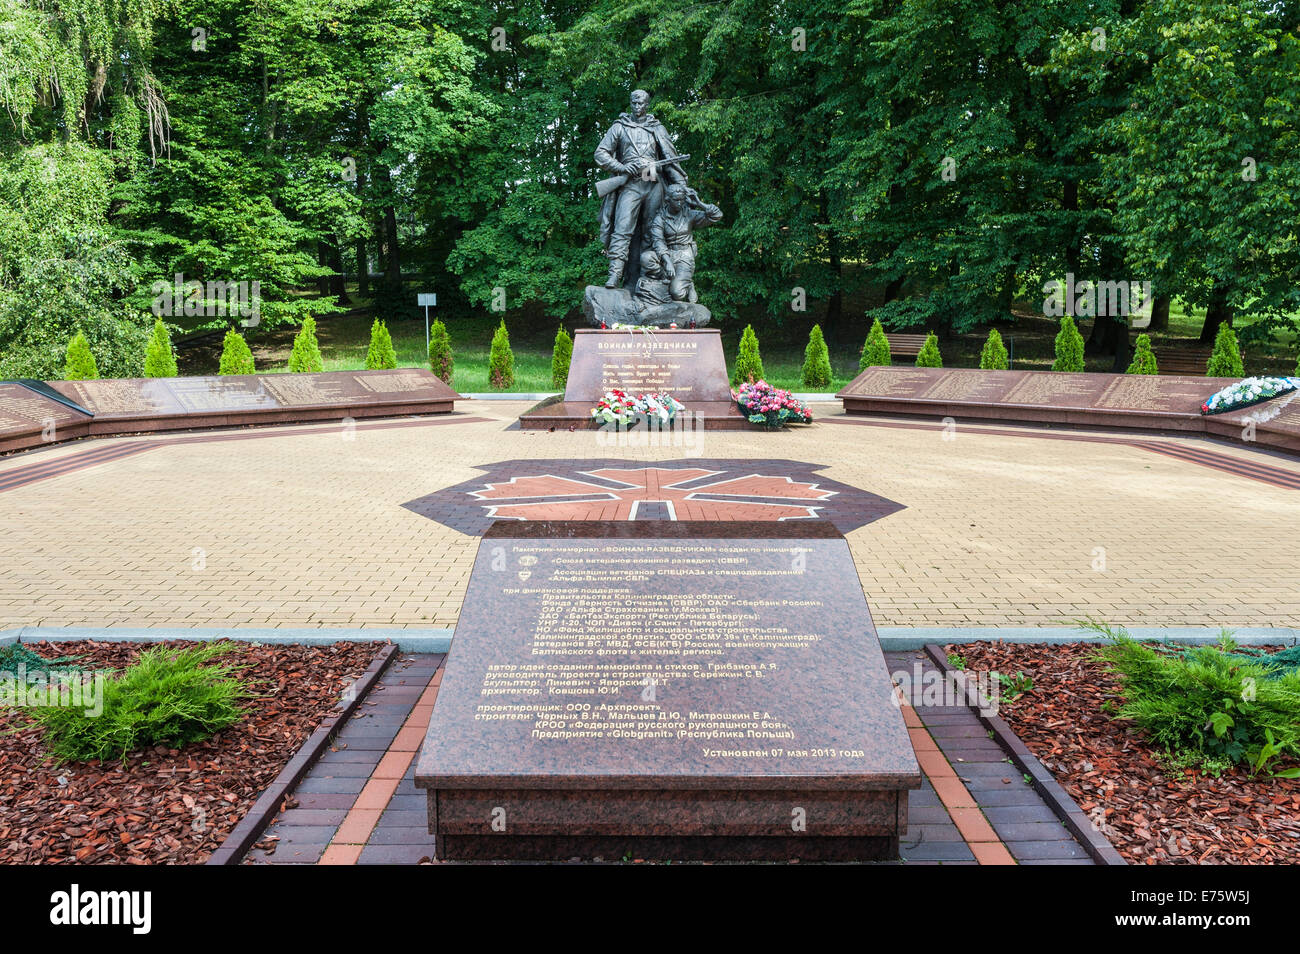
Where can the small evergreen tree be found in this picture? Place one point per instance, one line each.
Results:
(928, 356)
(994, 356)
(305, 356)
(441, 361)
(749, 363)
(816, 361)
(381, 354)
(1069, 347)
(501, 361)
(1225, 359)
(1144, 359)
(79, 364)
(159, 361)
(236, 358)
(875, 350)
(561, 356)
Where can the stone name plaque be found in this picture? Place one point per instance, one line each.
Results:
(29, 419)
(674, 689)
(688, 364)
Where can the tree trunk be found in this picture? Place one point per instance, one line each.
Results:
(1123, 348)
(363, 269)
(1160, 313)
(1216, 313)
(393, 260)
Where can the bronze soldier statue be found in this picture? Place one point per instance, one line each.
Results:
(671, 237)
(636, 146)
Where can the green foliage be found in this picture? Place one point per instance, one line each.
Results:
(816, 361)
(1206, 700)
(1013, 687)
(928, 356)
(1144, 359)
(748, 365)
(1069, 347)
(994, 356)
(501, 360)
(236, 356)
(441, 361)
(875, 350)
(167, 697)
(1225, 359)
(381, 354)
(159, 359)
(80, 364)
(957, 661)
(17, 654)
(561, 356)
(305, 356)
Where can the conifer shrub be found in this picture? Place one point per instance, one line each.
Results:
(305, 356)
(441, 361)
(994, 355)
(236, 357)
(1069, 347)
(561, 356)
(79, 365)
(816, 361)
(928, 356)
(1225, 359)
(1144, 359)
(381, 354)
(501, 360)
(749, 363)
(875, 350)
(159, 359)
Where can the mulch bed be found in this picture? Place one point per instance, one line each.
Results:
(164, 806)
(1153, 815)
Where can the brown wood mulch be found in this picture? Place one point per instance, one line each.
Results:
(164, 806)
(1152, 814)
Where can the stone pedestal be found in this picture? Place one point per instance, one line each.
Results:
(672, 690)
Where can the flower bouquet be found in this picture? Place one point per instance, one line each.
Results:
(1247, 392)
(625, 410)
(769, 406)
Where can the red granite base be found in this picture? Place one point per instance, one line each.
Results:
(650, 848)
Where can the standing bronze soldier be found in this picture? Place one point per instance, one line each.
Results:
(635, 146)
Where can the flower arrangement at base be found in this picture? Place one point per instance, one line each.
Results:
(626, 410)
(769, 406)
(1247, 392)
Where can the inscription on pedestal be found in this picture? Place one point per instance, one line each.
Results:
(687, 364)
(606, 661)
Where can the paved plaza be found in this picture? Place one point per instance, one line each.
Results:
(321, 525)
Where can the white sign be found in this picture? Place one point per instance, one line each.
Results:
(427, 299)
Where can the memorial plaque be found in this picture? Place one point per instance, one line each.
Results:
(122, 397)
(29, 419)
(1056, 389)
(688, 364)
(968, 386)
(673, 689)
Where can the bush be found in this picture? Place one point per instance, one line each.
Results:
(166, 697)
(816, 361)
(994, 356)
(1208, 700)
(159, 360)
(561, 356)
(80, 363)
(749, 363)
(236, 358)
(441, 361)
(501, 360)
(1225, 360)
(305, 356)
(381, 354)
(928, 356)
(1069, 347)
(875, 350)
(1144, 359)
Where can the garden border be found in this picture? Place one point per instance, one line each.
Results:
(258, 818)
(1044, 783)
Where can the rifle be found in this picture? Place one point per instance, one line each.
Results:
(605, 186)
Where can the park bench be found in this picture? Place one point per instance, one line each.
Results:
(905, 346)
(1182, 360)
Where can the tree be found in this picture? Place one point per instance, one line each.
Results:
(748, 365)
(80, 363)
(561, 356)
(1144, 359)
(1069, 347)
(928, 356)
(816, 361)
(159, 359)
(875, 350)
(501, 360)
(305, 356)
(1225, 359)
(236, 356)
(441, 361)
(994, 355)
(381, 354)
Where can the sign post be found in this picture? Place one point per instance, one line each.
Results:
(426, 299)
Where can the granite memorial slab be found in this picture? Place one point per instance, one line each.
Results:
(30, 418)
(157, 404)
(686, 363)
(677, 690)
